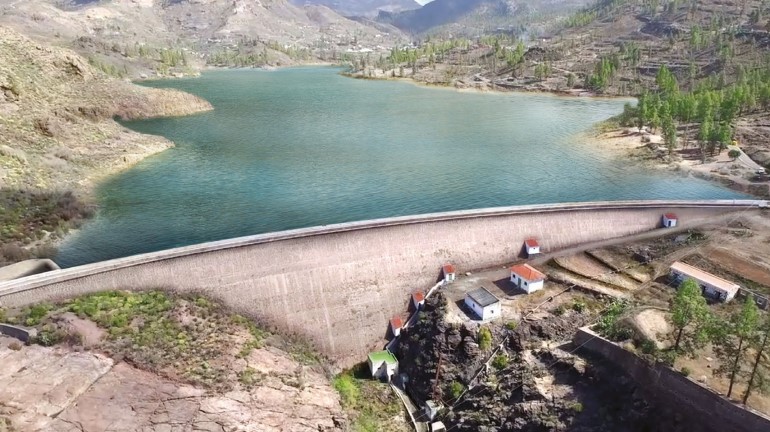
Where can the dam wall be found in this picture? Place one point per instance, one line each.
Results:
(338, 285)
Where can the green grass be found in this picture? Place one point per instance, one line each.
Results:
(370, 403)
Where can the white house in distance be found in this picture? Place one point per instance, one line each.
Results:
(383, 365)
(483, 303)
(527, 278)
(418, 299)
(450, 273)
(713, 287)
(396, 324)
(670, 220)
(531, 246)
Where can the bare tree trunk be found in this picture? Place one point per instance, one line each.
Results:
(754, 369)
(735, 368)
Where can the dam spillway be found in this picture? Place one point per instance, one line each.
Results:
(337, 285)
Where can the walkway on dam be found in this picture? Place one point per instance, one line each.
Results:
(660, 232)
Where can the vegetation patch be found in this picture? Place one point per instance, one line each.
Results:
(30, 216)
(371, 405)
(187, 338)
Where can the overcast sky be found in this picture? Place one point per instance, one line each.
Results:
(422, 2)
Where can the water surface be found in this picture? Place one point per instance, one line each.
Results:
(303, 147)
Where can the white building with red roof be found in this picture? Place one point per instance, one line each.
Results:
(418, 299)
(670, 220)
(450, 273)
(396, 324)
(527, 278)
(531, 246)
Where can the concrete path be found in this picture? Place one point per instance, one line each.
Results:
(413, 411)
(745, 159)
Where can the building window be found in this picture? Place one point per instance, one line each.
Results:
(525, 284)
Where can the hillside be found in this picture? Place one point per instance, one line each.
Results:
(131, 38)
(477, 17)
(367, 8)
(57, 131)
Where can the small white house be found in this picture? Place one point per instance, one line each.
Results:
(383, 365)
(450, 273)
(527, 278)
(531, 246)
(483, 303)
(670, 220)
(437, 427)
(431, 409)
(711, 286)
(418, 299)
(396, 324)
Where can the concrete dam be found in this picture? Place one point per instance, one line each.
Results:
(338, 285)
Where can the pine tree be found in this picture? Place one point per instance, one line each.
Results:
(689, 314)
(760, 369)
(731, 342)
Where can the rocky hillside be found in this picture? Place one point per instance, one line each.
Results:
(533, 383)
(57, 131)
(151, 362)
(476, 17)
(366, 8)
(135, 37)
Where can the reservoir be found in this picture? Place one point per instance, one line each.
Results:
(303, 147)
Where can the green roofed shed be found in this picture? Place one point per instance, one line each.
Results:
(383, 365)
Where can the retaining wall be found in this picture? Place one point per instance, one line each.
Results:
(709, 410)
(339, 285)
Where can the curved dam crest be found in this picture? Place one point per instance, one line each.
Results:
(338, 285)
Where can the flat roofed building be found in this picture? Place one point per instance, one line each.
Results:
(383, 365)
(483, 303)
(713, 287)
(527, 278)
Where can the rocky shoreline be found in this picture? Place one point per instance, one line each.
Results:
(646, 150)
(59, 137)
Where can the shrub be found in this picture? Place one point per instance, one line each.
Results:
(579, 306)
(500, 362)
(511, 325)
(35, 314)
(559, 311)
(485, 338)
(577, 407)
(456, 389)
(648, 347)
(686, 371)
(15, 346)
(734, 154)
(49, 337)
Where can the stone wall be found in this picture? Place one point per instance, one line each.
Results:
(339, 285)
(702, 407)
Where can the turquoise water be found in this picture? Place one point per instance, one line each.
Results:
(303, 147)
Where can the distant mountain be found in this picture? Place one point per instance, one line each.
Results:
(434, 14)
(476, 17)
(113, 31)
(366, 8)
